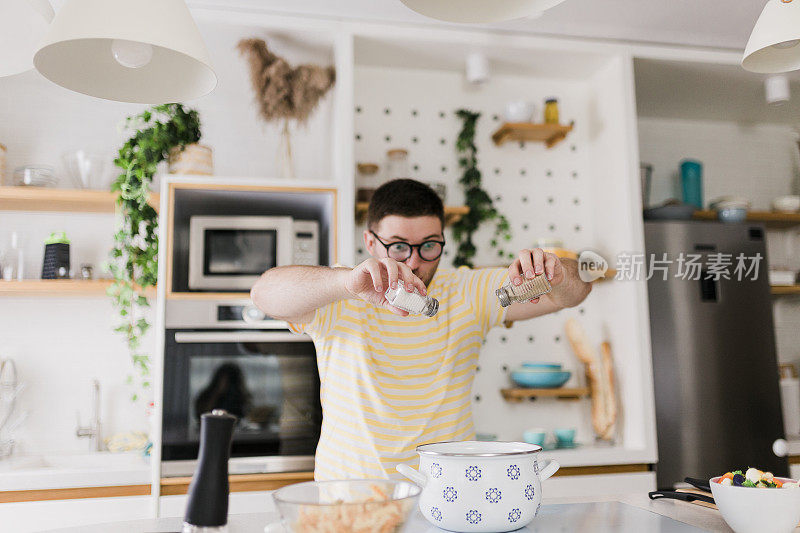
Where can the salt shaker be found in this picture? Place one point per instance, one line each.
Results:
(413, 302)
(526, 291)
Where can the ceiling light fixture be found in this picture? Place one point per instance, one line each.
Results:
(773, 45)
(142, 51)
(23, 23)
(777, 90)
(471, 11)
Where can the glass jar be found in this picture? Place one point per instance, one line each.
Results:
(524, 292)
(551, 111)
(397, 164)
(413, 302)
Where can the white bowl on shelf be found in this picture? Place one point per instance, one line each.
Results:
(519, 111)
(786, 204)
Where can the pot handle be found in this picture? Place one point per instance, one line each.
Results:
(551, 468)
(412, 474)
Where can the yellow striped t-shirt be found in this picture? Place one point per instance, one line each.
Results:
(390, 383)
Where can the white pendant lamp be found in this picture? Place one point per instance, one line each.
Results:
(774, 45)
(479, 10)
(23, 23)
(140, 51)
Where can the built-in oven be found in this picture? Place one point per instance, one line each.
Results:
(228, 355)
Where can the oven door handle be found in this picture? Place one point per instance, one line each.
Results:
(186, 337)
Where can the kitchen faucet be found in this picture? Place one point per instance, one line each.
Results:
(93, 430)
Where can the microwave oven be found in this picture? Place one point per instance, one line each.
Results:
(229, 253)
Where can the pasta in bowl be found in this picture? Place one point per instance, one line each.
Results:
(357, 505)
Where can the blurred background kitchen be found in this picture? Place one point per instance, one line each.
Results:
(604, 128)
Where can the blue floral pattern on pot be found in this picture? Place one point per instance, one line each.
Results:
(473, 516)
(436, 514)
(536, 467)
(514, 515)
(529, 492)
(513, 472)
(450, 494)
(493, 495)
(537, 509)
(436, 470)
(473, 473)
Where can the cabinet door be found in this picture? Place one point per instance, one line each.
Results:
(24, 517)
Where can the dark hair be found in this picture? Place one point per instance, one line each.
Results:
(406, 198)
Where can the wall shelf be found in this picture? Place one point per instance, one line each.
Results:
(64, 288)
(549, 134)
(769, 218)
(785, 290)
(452, 213)
(517, 395)
(60, 200)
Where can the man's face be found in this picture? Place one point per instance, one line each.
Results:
(414, 230)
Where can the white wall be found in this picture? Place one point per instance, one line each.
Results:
(758, 162)
(61, 344)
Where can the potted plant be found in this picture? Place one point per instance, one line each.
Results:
(133, 262)
(481, 207)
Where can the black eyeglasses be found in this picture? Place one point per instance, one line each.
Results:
(401, 250)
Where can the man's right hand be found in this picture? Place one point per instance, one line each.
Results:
(369, 281)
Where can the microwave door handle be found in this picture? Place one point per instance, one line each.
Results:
(186, 337)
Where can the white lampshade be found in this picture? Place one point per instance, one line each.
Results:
(158, 36)
(22, 25)
(774, 44)
(479, 10)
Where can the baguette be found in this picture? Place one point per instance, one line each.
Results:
(600, 378)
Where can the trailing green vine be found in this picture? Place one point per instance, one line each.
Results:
(134, 258)
(481, 207)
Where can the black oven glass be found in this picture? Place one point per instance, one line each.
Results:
(272, 387)
(239, 252)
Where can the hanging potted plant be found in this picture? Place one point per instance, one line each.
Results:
(481, 207)
(134, 258)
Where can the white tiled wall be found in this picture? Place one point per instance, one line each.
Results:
(758, 162)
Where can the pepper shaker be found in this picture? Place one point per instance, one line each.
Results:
(207, 505)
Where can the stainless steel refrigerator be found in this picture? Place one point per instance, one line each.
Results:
(716, 375)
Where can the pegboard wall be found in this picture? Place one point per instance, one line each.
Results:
(543, 193)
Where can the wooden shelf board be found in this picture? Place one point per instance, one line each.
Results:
(550, 134)
(60, 200)
(240, 482)
(783, 290)
(769, 218)
(519, 394)
(60, 288)
(452, 213)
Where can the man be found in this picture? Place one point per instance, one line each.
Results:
(391, 381)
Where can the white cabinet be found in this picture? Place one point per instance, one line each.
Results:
(24, 517)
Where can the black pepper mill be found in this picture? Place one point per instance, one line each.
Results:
(207, 508)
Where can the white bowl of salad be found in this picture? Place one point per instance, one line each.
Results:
(752, 501)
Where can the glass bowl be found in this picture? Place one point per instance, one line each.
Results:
(349, 505)
(34, 176)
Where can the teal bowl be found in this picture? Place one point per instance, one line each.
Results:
(542, 366)
(540, 380)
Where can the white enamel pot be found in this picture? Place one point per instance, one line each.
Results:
(479, 486)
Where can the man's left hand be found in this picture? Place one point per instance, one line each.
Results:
(530, 263)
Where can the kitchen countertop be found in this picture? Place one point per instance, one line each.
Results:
(632, 513)
(56, 471)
